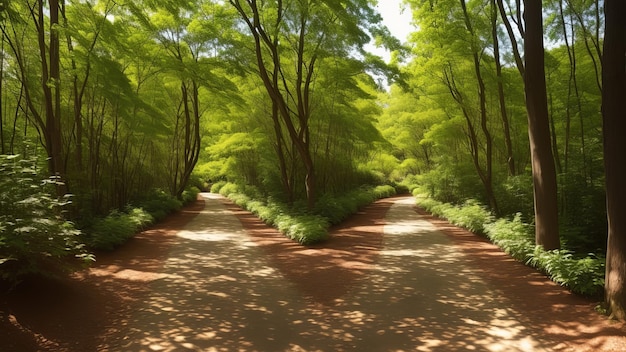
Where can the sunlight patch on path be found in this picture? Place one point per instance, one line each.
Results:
(219, 292)
(434, 301)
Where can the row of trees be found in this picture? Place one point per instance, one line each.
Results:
(121, 94)
(113, 93)
(491, 115)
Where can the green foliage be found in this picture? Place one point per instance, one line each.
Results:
(228, 188)
(471, 215)
(118, 227)
(296, 221)
(306, 229)
(34, 236)
(584, 275)
(581, 274)
(334, 209)
(159, 204)
(337, 208)
(384, 191)
(240, 199)
(215, 188)
(514, 237)
(112, 231)
(190, 194)
(515, 195)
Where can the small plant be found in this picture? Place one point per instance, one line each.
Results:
(215, 188)
(159, 204)
(119, 226)
(228, 189)
(34, 235)
(584, 276)
(112, 231)
(190, 194)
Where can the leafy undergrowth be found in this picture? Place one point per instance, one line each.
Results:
(35, 238)
(582, 274)
(119, 226)
(296, 221)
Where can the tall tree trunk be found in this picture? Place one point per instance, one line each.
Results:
(295, 123)
(501, 97)
(282, 164)
(2, 149)
(53, 99)
(595, 54)
(50, 85)
(512, 37)
(614, 130)
(486, 175)
(543, 169)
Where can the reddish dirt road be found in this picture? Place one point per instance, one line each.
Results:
(370, 286)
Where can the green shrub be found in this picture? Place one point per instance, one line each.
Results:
(229, 188)
(306, 229)
(296, 221)
(190, 194)
(516, 238)
(34, 236)
(471, 215)
(215, 188)
(583, 275)
(117, 228)
(384, 191)
(112, 231)
(240, 199)
(253, 206)
(140, 218)
(334, 209)
(268, 214)
(411, 182)
(159, 204)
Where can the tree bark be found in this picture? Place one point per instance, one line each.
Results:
(486, 175)
(543, 169)
(614, 130)
(2, 150)
(265, 46)
(507, 23)
(501, 97)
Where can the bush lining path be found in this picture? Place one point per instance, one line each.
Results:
(228, 283)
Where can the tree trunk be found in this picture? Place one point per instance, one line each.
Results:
(2, 150)
(509, 29)
(486, 175)
(501, 97)
(614, 130)
(282, 164)
(295, 123)
(543, 169)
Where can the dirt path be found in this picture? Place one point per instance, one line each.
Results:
(389, 280)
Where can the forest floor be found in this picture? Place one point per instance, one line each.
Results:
(391, 278)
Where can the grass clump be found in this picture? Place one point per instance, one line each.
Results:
(159, 204)
(119, 226)
(305, 229)
(470, 215)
